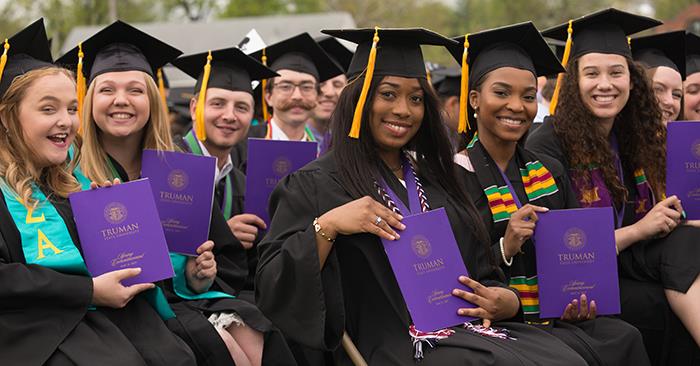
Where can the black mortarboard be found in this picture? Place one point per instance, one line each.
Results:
(692, 53)
(398, 50)
(231, 69)
(336, 50)
(663, 49)
(299, 53)
(520, 46)
(446, 81)
(28, 50)
(604, 31)
(121, 47)
(386, 52)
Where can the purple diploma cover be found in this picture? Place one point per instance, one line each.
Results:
(683, 165)
(183, 188)
(575, 252)
(119, 228)
(268, 162)
(427, 264)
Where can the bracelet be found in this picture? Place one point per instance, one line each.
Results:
(319, 230)
(503, 254)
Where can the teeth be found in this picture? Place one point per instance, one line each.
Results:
(604, 98)
(396, 128)
(121, 115)
(515, 122)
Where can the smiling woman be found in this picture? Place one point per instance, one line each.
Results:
(608, 133)
(46, 290)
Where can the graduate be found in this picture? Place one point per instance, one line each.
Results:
(323, 268)
(329, 91)
(302, 65)
(447, 84)
(663, 56)
(691, 84)
(504, 64)
(123, 115)
(227, 101)
(52, 312)
(607, 132)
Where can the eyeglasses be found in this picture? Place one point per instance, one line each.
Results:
(287, 88)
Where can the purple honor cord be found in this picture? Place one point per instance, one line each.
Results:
(619, 213)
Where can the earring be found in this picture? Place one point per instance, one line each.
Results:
(474, 114)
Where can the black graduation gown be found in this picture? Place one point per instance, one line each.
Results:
(191, 322)
(238, 204)
(357, 291)
(44, 316)
(645, 270)
(602, 341)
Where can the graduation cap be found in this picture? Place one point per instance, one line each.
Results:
(604, 31)
(118, 47)
(27, 50)
(228, 68)
(520, 46)
(121, 47)
(446, 81)
(299, 53)
(386, 52)
(692, 53)
(663, 49)
(336, 50)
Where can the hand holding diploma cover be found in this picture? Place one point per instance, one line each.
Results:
(119, 228)
(268, 162)
(427, 263)
(183, 190)
(683, 165)
(575, 252)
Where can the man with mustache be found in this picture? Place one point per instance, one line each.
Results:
(329, 91)
(292, 96)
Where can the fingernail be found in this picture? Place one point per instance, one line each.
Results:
(455, 292)
(392, 237)
(402, 227)
(400, 217)
(460, 312)
(398, 236)
(462, 278)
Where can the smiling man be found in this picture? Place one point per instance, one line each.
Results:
(228, 111)
(293, 95)
(329, 91)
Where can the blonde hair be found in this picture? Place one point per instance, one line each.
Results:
(93, 158)
(16, 166)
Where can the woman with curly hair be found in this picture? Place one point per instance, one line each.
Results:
(608, 133)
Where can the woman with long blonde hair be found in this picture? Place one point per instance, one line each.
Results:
(50, 307)
(123, 114)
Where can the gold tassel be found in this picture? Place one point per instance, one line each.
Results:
(161, 89)
(263, 86)
(357, 118)
(199, 129)
(560, 77)
(3, 58)
(629, 42)
(428, 76)
(81, 87)
(464, 90)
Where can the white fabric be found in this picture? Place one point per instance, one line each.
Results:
(463, 161)
(220, 173)
(225, 320)
(278, 134)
